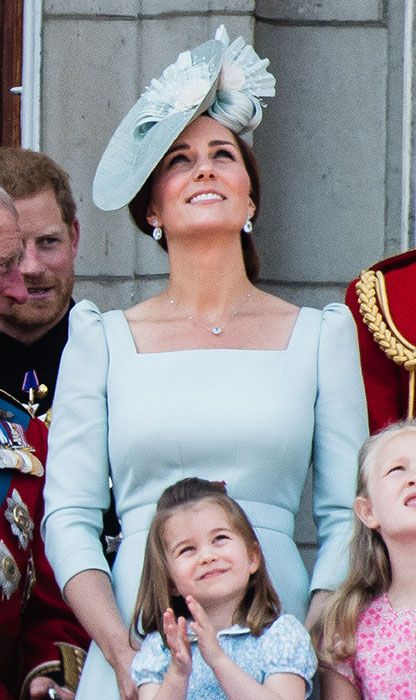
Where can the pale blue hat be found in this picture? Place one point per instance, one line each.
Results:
(215, 77)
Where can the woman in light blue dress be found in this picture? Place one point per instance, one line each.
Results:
(211, 378)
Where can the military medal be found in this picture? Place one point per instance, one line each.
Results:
(17, 514)
(9, 572)
(15, 451)
(6, 437)
(12, 435)
(35, 390)
(18, 436)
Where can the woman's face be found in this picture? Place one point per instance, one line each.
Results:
(202, 182)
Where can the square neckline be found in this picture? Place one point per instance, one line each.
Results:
(132, 343)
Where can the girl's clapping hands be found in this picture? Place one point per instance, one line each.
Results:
(178, 642)
(208, 643)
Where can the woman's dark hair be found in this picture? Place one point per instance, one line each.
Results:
(139, 205)
(260, 605)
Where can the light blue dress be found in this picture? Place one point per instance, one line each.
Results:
(253, 418)
(285, 647)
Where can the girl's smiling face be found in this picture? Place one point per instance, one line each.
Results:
(202, 182)
(207, 558)
(390, 506)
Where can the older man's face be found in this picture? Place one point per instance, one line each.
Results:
(12, 286)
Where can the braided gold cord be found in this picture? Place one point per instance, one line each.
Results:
(73, 659)
(371, 292)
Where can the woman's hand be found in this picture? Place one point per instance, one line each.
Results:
(41, 685)
(208, 643)
(178, 643)
(319, 601)
(121, 665)
(91, 597)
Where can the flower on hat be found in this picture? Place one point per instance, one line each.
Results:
(243, 70)
(243, 80)
(231, 77)
(180, 88)
(193, 91)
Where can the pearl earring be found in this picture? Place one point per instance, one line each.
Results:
(248, 226)
(157, 232)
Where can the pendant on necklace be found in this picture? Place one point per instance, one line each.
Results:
(216, 330)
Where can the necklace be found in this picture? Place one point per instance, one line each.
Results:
(216, 329)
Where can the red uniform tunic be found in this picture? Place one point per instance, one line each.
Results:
(386, 383)
(33, 617)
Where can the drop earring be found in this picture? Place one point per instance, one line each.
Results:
(157, 232)
(248, 226)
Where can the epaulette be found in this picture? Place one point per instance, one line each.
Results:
(374, 308)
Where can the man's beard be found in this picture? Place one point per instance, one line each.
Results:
(36, 314)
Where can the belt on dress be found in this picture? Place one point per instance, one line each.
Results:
(261, 515)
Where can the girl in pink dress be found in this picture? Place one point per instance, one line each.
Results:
(368, 641)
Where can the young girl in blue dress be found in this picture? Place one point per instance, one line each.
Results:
(208, 609)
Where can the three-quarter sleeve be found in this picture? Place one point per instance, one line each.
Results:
(340, 428)
(77, 483)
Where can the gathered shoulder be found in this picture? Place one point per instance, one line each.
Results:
(338, 315)
(335, 318)
(335, 307)
(86, 326)
(84, 310)
(285, 625)
(83, 316)
(333, 311)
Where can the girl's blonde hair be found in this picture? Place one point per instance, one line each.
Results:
(369, 571)
(260, 605)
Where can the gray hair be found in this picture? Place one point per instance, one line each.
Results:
(6, 203)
